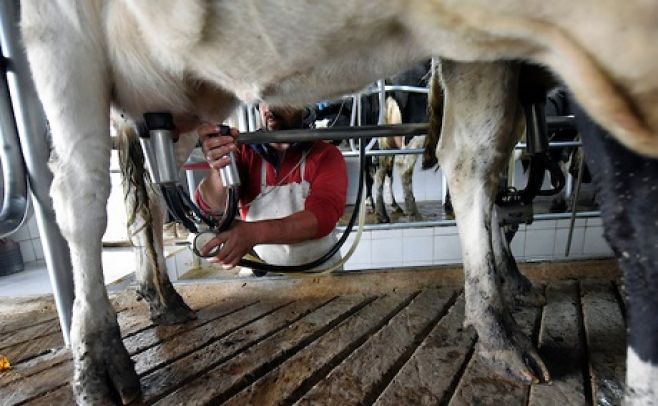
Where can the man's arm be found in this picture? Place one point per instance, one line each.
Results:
(211, 195)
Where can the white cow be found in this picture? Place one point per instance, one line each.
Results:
(197, 58)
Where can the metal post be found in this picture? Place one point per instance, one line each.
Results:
(14, 207)
(574, 203)
(33, 133)
(381, 118)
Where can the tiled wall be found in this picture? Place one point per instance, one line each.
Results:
(30, 242)
(542, 240)
(378, 249)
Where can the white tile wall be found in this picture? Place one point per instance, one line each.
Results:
(441, 245)
(577, 240)
(542, 240)
(363, 253)
(386, 252)
(447, 249)
(595, 243)
(417, 250)
(518, 244)
(539, 243)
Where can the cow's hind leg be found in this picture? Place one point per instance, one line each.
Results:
(71, 78)
(389, 173)
(628, 194)
(406, 165)
(380, 177)
(145, 223)
(480, 115)
(515, 286)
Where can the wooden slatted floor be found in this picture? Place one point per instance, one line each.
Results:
(384, 338)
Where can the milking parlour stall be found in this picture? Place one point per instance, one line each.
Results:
(519, 267)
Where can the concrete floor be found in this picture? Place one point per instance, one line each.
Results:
(34, 280)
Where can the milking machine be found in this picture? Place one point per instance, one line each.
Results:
(515, 206)
(158, 139)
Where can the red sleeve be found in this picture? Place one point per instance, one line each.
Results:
(326, 199)
(201, 203)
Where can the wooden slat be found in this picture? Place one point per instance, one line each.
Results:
(37, 384)
(364, 373)
(165, 380)
(480, 385)
(192, 340)
(34, 366)
(427, 377)
(150, 337)
(328, 350)
(301, 332)
(60, 396)
(18, 323)
(561, 348)
(29, 333)
(606, 342)
(32, 348)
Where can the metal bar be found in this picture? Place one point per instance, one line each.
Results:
(15, 204)
(574, 203)
(389, 152)
(381, 92)
(33, 133)
(384, 152)
(556, 144)
(449, 223)
(368, 131)
(333, 133)
(393, 88)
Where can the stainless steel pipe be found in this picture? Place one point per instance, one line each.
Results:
(450, 223)
(14, 207)
(35, 144)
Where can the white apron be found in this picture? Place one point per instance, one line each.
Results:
(276, 202)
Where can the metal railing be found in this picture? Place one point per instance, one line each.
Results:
(32, 130)
(14, 207)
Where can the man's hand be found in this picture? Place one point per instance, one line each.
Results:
(216, 147)
(238, 240)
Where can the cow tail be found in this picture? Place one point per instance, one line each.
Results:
(137, 187)
(435, 113)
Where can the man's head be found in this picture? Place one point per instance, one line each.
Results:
(280, 118)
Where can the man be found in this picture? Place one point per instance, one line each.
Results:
(291, 196)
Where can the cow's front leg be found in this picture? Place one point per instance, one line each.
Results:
(481, 112)
(71, 77)
(80, 190)
(145, 223)
(516, 288)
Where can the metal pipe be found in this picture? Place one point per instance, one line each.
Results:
(555, 144)
(449, 223)
(384, 152)
(333, 133)
(395, 88)
(367, 131)
(33, 134)
(574, 203)
(381, 117)
(387, 152)
(15, 205)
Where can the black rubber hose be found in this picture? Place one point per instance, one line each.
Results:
(310, 265)
(175, 206)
